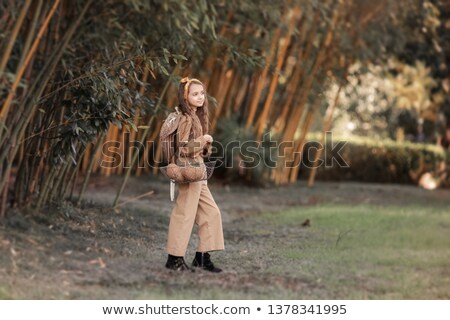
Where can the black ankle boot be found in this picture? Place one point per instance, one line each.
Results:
(203, 260)
(177, 264)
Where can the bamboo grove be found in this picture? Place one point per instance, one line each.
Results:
(82, 78)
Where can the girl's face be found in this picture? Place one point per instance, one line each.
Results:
(196, 96)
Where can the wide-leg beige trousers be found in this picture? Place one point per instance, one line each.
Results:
(195, 204)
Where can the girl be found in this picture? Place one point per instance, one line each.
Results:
(195, 203)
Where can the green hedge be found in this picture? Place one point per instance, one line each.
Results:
(370, 160)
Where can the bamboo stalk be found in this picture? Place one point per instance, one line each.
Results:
(38, 168)
(296, 77)
(89, 169)
(144, 135)
(240, 96)
(21, 180)
(97, 159)
(55, 192)
(326, 128)
(294, 84)
(13, 36)
(229, 103)
(210, 60)
(292, 125)
(120, 137)
(71, 180)
(372, 13)
(228, 77)
(135, 198)
(66, 182)
(291, 174)
(38, 147)
(152, 139)
(262, 121)
(310, 39)
(4, 20)
(137, 119)
(86, 158)
(262, 79)
(301, 142)
(4, 197)
(46, 73)
(140, 165)
(12, 91)
(157, 157)
(297, 113)
(18, 116)
(44, 189)
(105, 168)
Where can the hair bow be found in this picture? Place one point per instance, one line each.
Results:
(186, 81)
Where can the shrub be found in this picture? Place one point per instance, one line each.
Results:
(383, 161)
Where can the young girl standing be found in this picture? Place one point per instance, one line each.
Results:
(195, 203)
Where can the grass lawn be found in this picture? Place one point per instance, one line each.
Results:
(349, 252)
(364, 242)
(368, 251)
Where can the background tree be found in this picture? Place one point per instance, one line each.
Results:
(78, 74)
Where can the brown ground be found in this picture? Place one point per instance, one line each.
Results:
(100, 253)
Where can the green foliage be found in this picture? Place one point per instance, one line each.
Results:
(369, 160)
(97, 102)
(415, 34)
(244, 159)
(378, 100)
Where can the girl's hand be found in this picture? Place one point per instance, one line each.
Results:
(208, 138)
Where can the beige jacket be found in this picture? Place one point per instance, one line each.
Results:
(191, 143)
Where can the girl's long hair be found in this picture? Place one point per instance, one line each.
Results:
(202, 112)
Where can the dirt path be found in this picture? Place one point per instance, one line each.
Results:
(96, 252)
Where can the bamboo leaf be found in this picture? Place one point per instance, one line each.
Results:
(133, 126)
(164, 70)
